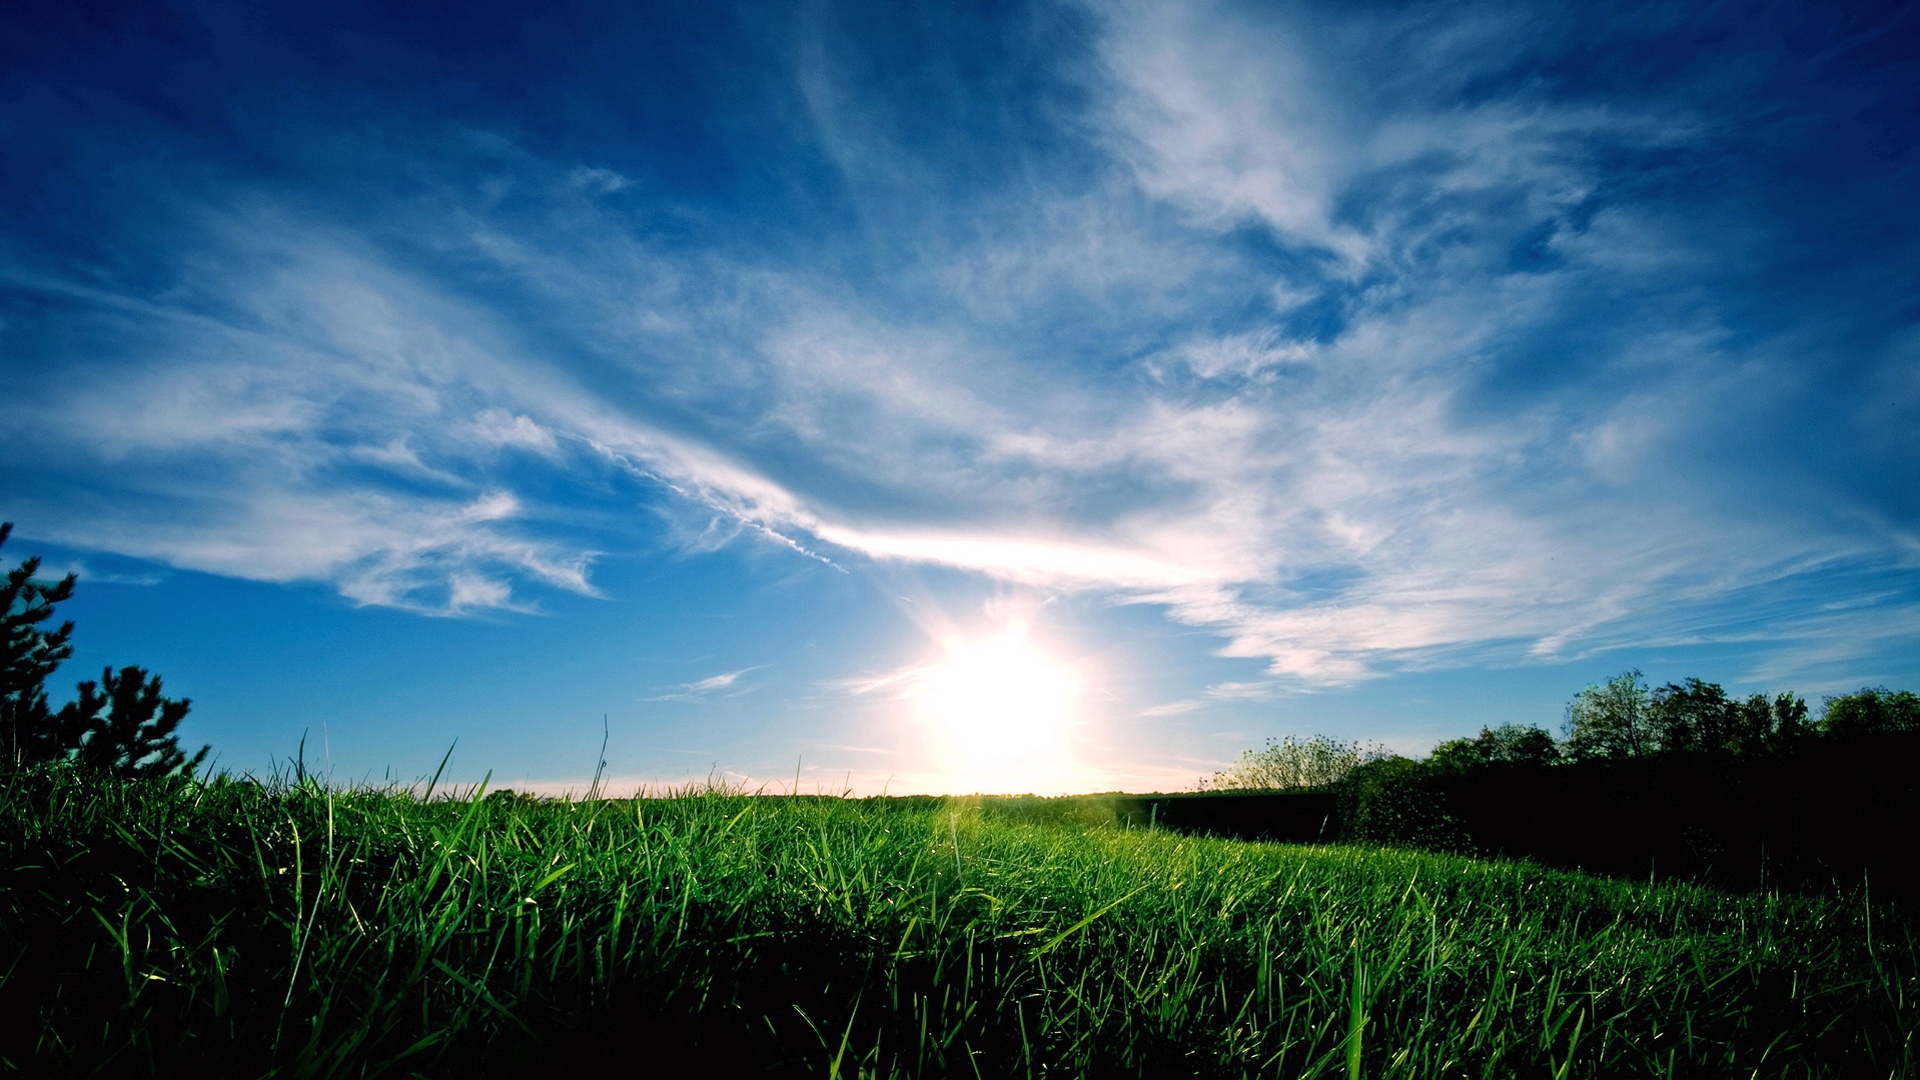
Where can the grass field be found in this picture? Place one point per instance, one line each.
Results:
(292, 930)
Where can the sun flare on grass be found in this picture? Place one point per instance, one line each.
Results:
(1000, 711)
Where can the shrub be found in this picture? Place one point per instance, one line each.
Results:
(1396, 800)
(1291, 762)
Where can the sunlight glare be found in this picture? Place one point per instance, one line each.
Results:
(999, 709)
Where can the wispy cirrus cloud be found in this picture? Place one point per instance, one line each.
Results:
(702, 689)
(1334, 332)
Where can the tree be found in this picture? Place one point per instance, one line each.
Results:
(1695, 717)
(1872, 711)
(29, 653)
(1777, 724)
(1522, 744)
(1611, 719)
(1513, 744)
(1292, 763)
(123, 725)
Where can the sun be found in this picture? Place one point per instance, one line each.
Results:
(999, 710)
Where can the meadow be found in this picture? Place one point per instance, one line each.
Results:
(292, 929)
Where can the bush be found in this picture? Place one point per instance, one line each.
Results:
(1396, 800)
(1291, 763)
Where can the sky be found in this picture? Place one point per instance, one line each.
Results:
(946, 397)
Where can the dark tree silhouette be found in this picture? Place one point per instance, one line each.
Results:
(28, 654)
(1779, 725)
(1510, 744)
(1697, 717)
(1694, 717)
(1872, 711)
(123, 725)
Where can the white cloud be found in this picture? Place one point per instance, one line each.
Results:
(1239, 691)
(700, 689)
(598, 180)
(1243, 355)
(288, 434)
(1284, 116)
(502, 428)
(1024, 559)
(1172, 708)
(1364, 472)
(1221, 114)
(1091, 390)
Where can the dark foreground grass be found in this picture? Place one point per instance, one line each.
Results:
(239, 930)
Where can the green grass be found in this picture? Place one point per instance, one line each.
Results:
(295, 931)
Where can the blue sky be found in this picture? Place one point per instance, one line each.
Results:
(399, 374)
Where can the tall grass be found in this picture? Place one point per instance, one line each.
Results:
(294, 930)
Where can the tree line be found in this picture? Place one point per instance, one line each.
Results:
(122, 724)
(1681, 781)
(1618, 719)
